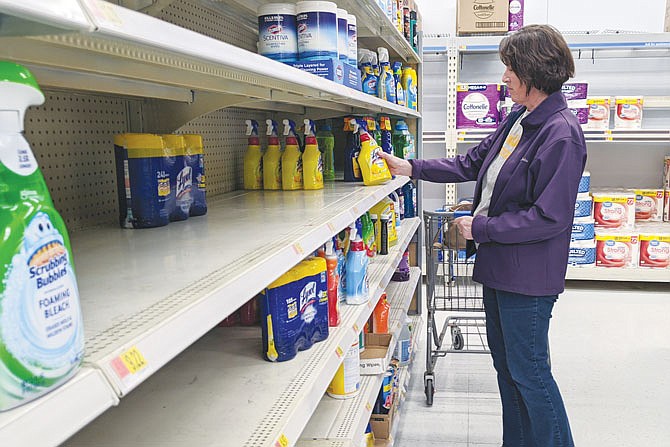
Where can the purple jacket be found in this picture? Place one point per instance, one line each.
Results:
(524, 243)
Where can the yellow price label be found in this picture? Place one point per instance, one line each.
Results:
(339, 352)
(297, 248)
(368, 406)
(356, 212)
(133, 360)
(356, 328)
(331, 227)
(282, 441)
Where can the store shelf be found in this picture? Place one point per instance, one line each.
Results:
(619, 274)
(51, 419)
(489, 44)
(35, 16)
(220, 390)
(608, 135)
(344, 420)
(134, 54)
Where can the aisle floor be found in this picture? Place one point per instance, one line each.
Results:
(610, 348)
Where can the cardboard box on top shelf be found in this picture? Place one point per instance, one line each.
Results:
(475, 17)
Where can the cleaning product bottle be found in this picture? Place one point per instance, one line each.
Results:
(272, 158)
(291, 159)
(386, 137)
(386, 84)
(404, 345)
(373, 128)
(369, 80)
(409, 191)
(341, 268)
(253, 159)
(333, 280)
(375, 65)
(374, 169)
(403, 142)
(357, 271)
(396, 208)
(41, 336)
(380, 316)
(409, 84)
(195, 159)
(352, 170)
(312, 163)
(181, 177)
(326, 141)
(368, 235)
(399, 90)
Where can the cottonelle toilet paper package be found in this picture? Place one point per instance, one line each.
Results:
(477, 106)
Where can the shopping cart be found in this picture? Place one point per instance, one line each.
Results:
(450, 288)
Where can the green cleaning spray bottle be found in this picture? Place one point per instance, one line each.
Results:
(41, 333)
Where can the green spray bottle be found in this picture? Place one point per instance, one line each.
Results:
(326, 142)
(41, 333)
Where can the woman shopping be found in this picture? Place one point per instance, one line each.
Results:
(527, 174)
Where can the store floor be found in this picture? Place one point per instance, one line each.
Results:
(610, 348)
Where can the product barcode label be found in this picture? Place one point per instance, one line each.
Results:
(489, 24)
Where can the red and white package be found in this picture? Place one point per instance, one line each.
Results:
(616, 249)
(666, 205)
(655, 250)
(648, 205)
(614, 210)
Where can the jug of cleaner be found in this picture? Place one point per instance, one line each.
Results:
(369, 80)
(272, 158)
(409, 84)
(312, 163)
(253, 158)
(357, 270)
(333, 283)
(41, 333)
(386, 88)
(291, 159)
(400, 91)
(374, 169)
(326, 141)
(352, 170)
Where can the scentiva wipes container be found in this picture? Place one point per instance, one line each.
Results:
(317, 29)
(648, 205)
(585, 182)
(583, 205)
(599, 112)
(628, 114)
(582, 254)
(583, 229)
(277, 36)
(614, 209)
(352, 40)
(616, 249)
(342, 35)
(655, 250)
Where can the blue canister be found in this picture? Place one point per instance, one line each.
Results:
(342, 35)
(317, 29)
(582, 254)
(143, 179)
(583, 205)
(181, 177)
(294, 310)
(585, 182)
(194, 158)
(352, 39)
(277, 35)
(583, 229)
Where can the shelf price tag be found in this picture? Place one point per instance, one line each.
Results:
(331, 227)
(339, 352)
(282, 441)
(368, 406)
(356, 328)
(130, 362)
(297, 248)
(356, 212)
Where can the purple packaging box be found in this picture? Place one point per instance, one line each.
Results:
(582, 114)
(575, 90)
(477, 106)
(515, 14)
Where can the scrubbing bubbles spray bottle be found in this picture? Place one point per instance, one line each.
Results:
(291, 159)
(41, 333)
(312, 162)
(253, 158)
(272, 158)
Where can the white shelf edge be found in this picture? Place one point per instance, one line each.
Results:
(356, 411)
(618, 274)
(65, 14)
(56, 416)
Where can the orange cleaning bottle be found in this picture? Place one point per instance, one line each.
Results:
(333, 281)
(380, 316)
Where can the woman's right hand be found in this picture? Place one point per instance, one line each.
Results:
(398, 166)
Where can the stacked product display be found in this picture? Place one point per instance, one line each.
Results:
(476, 17)
(620, 228)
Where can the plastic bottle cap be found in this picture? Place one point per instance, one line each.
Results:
(329, 248)
(276, 8)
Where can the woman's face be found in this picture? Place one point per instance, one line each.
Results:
(517, 89)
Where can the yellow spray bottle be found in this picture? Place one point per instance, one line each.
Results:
(312, 162)
(374, 169)
(253, 159)
(291, 159)
(272, 158)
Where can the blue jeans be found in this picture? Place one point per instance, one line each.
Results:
(517, 329)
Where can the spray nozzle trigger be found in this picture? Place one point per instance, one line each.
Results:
(252, 127)
(310, 127)
(272, 128)
(289, 127)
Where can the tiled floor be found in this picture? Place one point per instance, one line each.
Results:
(610, 348)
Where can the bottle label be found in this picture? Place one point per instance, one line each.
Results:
(40, 319)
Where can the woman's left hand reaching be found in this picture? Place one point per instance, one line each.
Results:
(464, 225)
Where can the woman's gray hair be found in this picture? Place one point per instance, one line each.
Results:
(539, 56)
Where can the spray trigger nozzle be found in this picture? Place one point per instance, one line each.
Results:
(289, 127)
(272, 127)
(310, 127)
(252, 127)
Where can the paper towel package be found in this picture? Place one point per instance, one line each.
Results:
(477, 106)
(599, 112)
(617, 249)
(515, 14)
(666, 205)
(666, 172)
(582, 253)
(575, 90)
(654, 249)
(614, 209)
(628, 113)
(648, 205)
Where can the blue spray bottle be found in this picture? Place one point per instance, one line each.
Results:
(369, 79)
(386, 88)
(357, 271)
(400, 91)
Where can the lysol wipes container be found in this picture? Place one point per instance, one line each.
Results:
(277, 37)
(317, 29)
